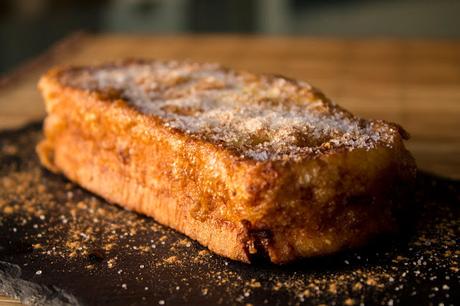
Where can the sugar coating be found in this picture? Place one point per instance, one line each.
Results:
(263, 117)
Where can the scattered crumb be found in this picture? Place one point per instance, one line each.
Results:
(111, 263)
(37, 246)
(349, 301)
(86, 230)
(172, 260)
(203, 252)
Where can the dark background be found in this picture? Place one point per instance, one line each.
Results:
(27, 27)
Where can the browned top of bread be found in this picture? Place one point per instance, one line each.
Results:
(261, 117)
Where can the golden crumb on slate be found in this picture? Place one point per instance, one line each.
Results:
(65, 224)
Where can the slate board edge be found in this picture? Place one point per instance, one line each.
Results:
(31, 293)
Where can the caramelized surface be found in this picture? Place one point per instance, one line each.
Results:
(262, 117)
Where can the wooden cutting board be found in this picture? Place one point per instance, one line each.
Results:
(413, 83)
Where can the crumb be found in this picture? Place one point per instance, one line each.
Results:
(333, 288)
(349, 302)
(8, 210)
(371, 282)
(172, 260)
(111, 263)
(254, 283)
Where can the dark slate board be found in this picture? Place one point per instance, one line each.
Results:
(59, 244)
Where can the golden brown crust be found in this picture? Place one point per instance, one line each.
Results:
(257, 117)
(237, 206)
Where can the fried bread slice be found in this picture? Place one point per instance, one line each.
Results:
(249, 165)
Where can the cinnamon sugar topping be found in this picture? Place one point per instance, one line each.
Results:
(263, 117)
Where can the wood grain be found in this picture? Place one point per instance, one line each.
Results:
(415, 83)
(6, 301)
